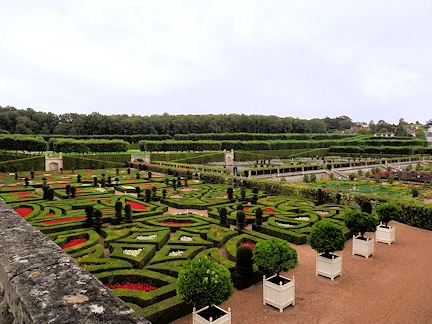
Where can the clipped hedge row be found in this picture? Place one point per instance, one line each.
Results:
(77, 162)
(405, 150)
(22, 143)
(259, 136)
(32, 163)
(83, 146)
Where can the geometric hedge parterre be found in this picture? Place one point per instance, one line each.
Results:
(139, 260)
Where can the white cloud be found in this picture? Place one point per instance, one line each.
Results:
(307, 59)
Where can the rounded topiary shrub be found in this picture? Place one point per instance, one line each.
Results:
(274, 255)
(388, 211)
(360, 222)
(203, 283)
(326, 237)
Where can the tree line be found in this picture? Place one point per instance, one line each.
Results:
(29, 121)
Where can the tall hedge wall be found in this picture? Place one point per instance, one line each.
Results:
(66, 145)
(22, 143)
(26, 164)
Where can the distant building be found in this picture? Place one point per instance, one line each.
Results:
(384, 134)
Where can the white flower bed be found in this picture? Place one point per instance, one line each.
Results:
(302, 218)
(128, 187)
(100, 189)
(146, 237)
(132, 252)
(284, 224)
(175, 253)
(186, 238)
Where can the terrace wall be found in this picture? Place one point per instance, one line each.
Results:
(39, 283)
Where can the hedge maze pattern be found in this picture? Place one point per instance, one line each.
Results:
(140, 256)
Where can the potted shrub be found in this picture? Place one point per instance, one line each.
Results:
(386, 212)
(273, 256)
(205, 284)
(325, 238)
(359, 223)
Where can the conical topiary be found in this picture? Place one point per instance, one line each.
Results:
(241, 216)
(128, 213)
(244, 266)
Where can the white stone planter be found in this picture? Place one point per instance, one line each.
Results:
(363, 247)
(330, 268)
(198, 319)
(279, 296)
(385, 235)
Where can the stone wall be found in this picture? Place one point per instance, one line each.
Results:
(39, 283)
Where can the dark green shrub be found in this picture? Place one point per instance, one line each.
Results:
(274, 255)
(240, 207)
(244, 265)
(89, 215)
(326, 237)
(360, 222)
(118, 206)
(128, 213)
(243, 193)
(223, 216)
(148, 194)
(203, 283)
(388, 211)
(241, 216)
(366, 207)
(164, 192)
(338, 198)
(352, 176)
(230, 193)
(259, 217)
(73, 191)
(138, 191)
(414, 192)
(97, 215)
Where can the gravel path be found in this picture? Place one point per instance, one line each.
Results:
(393, 286)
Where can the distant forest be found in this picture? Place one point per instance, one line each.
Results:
(29, 121)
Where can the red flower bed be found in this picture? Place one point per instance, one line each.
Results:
(252, 245)
(133, 286)
(177, 222)
(246, 208)
(21, 193)
(249, 215)
(24, 211)
(70, 219)
(73, 243)
(269, 211)
(49, 215)
(136, 206)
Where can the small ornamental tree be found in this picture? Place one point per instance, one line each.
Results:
(388, 211)
(118, 206)
(259, 216)
(204, 283)
(273, 256)
(148, 195)
(223, 216)
(97, 224)
(366, 207)
(164, 192)
(230, 193)
(73, 190)
(326, 237)
(78, 178)
(89, 215)
(360, 222)
(128, 213)
(241, 216)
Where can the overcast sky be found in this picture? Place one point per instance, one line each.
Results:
(369, 60)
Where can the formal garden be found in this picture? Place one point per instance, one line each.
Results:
(176, 237)
(135, 229)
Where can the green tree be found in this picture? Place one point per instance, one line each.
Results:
(360, 222)
(204, 283)
(274, 255)
(326, 237)
(388, 211)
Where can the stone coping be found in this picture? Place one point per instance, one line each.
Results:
(41, 284)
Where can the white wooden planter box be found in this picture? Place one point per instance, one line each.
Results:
(363, 247)
(385, 235)
(279, 296)
(330, 268)
(197, 319)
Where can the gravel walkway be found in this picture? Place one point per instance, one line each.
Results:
(394, 286)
